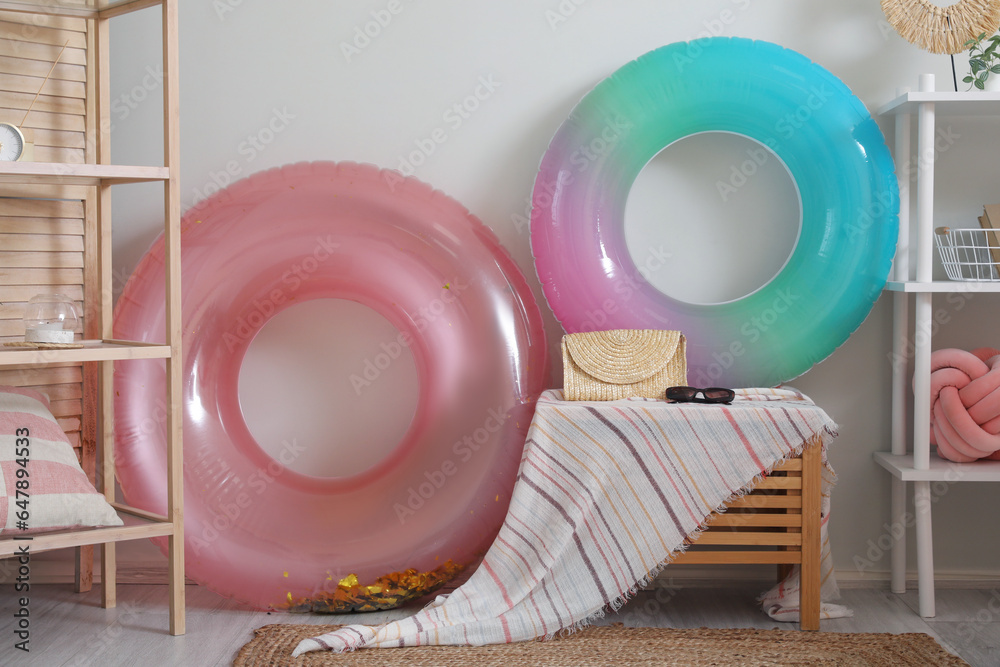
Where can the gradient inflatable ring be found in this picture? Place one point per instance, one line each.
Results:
(260, 532)
(834, 152)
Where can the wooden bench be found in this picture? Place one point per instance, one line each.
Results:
(777, 523)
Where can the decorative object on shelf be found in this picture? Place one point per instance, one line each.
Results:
(50, 318)
(12, 143)
(965, 404)
(609, 365)
(983, 61)
(464, 310)
(34, 447)
(967, 254)
(991, 223)
(835, 153)
(942, 29)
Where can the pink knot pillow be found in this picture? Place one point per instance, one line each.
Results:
(965, 404)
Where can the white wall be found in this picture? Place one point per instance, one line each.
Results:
(245, 63)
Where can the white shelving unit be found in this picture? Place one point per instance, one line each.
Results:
(98, 173)
(916, 465)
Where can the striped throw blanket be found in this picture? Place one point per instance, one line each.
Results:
(607, 492)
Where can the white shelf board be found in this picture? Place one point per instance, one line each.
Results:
(973, 103)
(60, 173)
(92, 350)
(943, 286)
(901, 467)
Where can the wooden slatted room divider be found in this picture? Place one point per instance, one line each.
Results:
(45, 246)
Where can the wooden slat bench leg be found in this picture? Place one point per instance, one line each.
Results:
(812, 491)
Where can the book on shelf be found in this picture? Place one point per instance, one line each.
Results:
(990, 221)
(992, 213)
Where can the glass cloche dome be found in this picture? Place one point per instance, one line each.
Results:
(50, 318)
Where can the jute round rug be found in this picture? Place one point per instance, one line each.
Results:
(621, 647)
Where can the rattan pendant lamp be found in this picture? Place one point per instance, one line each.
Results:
(942, 29)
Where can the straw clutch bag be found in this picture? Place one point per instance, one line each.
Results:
(608, 365)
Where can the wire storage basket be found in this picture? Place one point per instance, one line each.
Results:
(969, 254)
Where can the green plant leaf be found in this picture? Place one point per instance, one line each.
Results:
(981, 37)
(995, 69)
(968, 79)
(980, 84)
(977, 65)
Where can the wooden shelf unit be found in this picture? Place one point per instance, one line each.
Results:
(97, 176)
(916, 466)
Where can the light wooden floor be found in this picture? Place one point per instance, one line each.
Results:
(70, 629)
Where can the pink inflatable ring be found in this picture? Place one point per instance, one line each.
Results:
(262, 533)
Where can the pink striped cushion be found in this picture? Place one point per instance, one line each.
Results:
(58, 493)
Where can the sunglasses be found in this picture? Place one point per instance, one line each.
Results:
(708, 395)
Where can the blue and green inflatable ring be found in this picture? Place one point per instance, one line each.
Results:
(833, 149)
